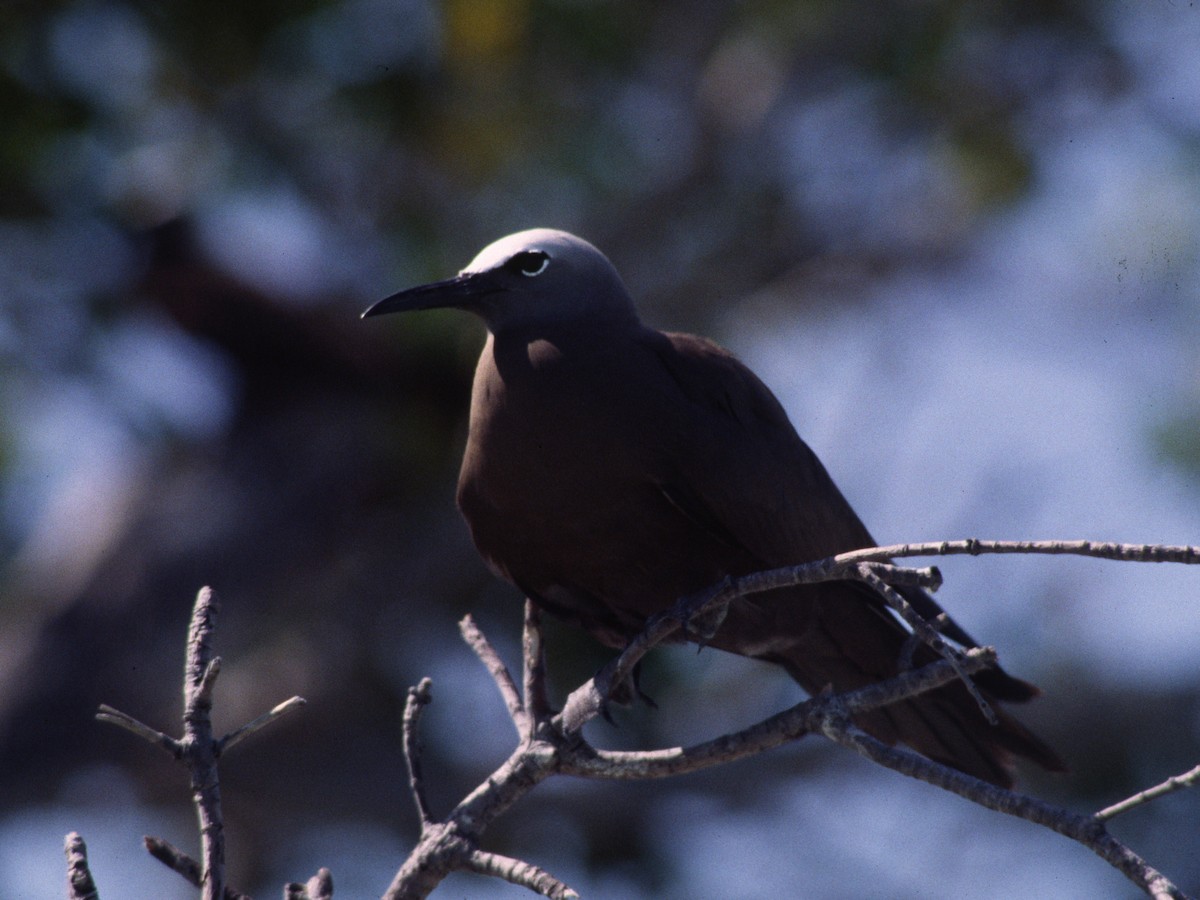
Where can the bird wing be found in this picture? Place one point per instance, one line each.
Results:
(741, 464)
(743, 472)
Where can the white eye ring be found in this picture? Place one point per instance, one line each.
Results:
(539, 270)
(518, 262)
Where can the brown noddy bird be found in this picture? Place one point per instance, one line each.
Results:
(611, 469)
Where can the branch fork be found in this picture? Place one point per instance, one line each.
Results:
(199, 751)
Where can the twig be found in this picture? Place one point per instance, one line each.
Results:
(115, 717)
(1083, 829)
(80, 885)
(586, 701)
(834, 567)
(199, 746)
(319, 887)
(831, 714)
(240, 734)
(1174, 783)
(178, 861)
(926, 632)
(445, 845)
(1153, 553)
(199, 751)
(537, 705)
(520, 873)
(581, 703)
(781, 728)
(912, 642)
(491, 659)
(418, 698)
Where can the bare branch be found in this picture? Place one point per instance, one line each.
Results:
(115, 717)
(835, 567)
(1154, 553)
(926, 632)
(781, 728)
(1174, 783)
(537, 705)
(198, 750)
(496, 668)
(587, 701)
(199, 746)
(444, 846)
(520, 873)
(440, 851)
(319, 887)
(80, 885)
(418, 698)
(240, 734)
(178, 861)
(1083, 829)
(199, 646)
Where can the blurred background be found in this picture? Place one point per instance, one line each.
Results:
(959, 239)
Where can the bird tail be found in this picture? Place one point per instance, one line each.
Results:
(839, 635)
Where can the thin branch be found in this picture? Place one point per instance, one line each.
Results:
(199, 746)
(1174, 783)
(926, 632)
(491, 659)
(319, 887)
(550, 746)
(586, 701)
(178, 861)
(199, 646)
(520, 873)
(445, 845)
(240, 734)
(781, 728)
(418, 698)
(199, 750)
(537, 704)
(833, 567)
(1083, 829)
(115, 717)
(440, 851)
(830, 714)
(80, 885)
(1152, 553)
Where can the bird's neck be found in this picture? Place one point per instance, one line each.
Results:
(569, 337)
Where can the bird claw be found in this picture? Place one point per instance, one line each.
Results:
(702, 627)
(625, 693)
(637, 687)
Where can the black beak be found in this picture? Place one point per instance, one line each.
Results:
(460, 292)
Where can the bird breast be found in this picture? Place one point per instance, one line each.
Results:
(561, 482)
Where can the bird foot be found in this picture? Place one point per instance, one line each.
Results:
(702, 627)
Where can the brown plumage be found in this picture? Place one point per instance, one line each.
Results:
(611, 469)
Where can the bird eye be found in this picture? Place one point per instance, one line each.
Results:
(528, 262)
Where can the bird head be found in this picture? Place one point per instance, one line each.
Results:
(530, 279)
